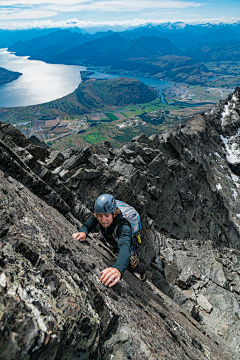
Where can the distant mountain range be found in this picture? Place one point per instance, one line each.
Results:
(42, 46)
(101, 51)
(9, 37)
(224, 51)
(182, 40)
(88, 52)
(203, 43)
(197, 30)
(103, 48)
(140, 47)
(169, 67)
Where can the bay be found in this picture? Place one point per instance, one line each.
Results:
(39, 83)
(42, 82)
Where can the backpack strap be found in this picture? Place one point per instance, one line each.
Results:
(114, 234)
(119, 217)
(134, 237)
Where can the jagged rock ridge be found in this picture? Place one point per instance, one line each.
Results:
(184, 183)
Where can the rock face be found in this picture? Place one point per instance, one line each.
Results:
(53, 305)
(185, 185)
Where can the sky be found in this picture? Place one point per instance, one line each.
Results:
(16, 14)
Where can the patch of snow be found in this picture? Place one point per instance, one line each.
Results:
(218, 186)
(225, 113)
(238, 215)
(235, 194)
(231, 151)
(212, 111)
(234, 98)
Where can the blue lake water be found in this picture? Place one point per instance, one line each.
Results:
(39, 83)
(43, 82)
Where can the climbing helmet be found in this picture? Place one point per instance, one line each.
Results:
(105, 204)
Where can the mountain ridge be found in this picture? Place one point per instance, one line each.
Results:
(54, 40)
(217, 52)
(88, 50)
(174, 68)
(185, 185)
(141, 47)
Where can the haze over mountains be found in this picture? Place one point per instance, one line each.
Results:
(54, 42)
(147, 45)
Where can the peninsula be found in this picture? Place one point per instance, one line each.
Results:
(7, 76)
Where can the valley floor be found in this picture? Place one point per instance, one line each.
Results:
(60, 126)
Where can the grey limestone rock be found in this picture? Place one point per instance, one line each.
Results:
(204, 303)
(53, 305)
(185, 184)
(56, 158)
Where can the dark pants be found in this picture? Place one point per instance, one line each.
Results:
(140, 268)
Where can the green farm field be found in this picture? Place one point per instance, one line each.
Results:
(111, 116)
(95, 137)
(133, 113)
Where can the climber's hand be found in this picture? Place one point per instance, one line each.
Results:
(110, 276)
(80, 236)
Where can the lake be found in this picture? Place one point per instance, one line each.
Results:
(43, 82)
(39, 83)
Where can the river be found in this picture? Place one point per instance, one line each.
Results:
(42, 82)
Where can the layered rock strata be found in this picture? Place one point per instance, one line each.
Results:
(185, 185)
(53, 305)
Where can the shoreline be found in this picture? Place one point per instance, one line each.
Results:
(7, 76)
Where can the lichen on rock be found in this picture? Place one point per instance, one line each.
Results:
(53, 305)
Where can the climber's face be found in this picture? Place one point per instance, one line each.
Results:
(105, 219)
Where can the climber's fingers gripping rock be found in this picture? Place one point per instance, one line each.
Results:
(110, 276)
(80, 236)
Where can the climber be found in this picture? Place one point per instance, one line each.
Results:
(110, 218)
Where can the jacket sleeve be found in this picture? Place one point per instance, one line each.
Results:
(89, 225)
(124, 246)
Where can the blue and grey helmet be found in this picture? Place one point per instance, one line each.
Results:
(105, 204)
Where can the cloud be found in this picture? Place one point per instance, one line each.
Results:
(161, 13)
(13, 14)
(88, 24)
(122, 5)
(10, 9)
(31, 3)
